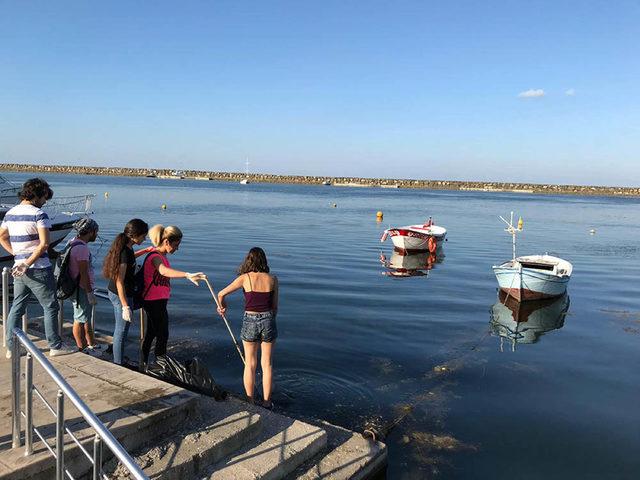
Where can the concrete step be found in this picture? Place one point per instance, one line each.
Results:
(195, 447)
(288, 444)
(134, 407)
(348, 456)
(180, 434)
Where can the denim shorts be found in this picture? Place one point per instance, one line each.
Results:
(81, 306)
(259, 327)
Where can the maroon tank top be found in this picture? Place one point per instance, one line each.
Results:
(258, 301)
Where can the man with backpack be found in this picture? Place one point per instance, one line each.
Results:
(24, 233)
(80, 270)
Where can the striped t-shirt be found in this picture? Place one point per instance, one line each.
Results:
(23, 222)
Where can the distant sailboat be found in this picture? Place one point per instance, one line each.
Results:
(245, 180)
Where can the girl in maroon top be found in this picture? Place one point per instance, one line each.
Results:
(259, 330)
(157, 287)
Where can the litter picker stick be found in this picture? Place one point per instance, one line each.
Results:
(226, 322)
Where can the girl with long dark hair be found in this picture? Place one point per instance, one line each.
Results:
(119, 268)
(259, 331)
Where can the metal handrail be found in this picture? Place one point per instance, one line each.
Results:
(5, 304)
(64, 390)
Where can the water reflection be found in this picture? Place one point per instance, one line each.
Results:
(410, 264)
(525, 322)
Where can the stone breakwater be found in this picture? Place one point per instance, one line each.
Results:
(336, 181)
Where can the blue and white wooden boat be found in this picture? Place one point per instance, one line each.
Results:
(532, 277)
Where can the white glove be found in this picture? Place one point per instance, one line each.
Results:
(19, 269)
(126, 314)
(92, 298)
(195, 277)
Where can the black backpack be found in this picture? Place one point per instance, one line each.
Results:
(139, 292)
(66, 285)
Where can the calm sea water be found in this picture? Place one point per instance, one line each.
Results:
(556, 398)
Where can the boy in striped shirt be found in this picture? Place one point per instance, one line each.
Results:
(24, 233)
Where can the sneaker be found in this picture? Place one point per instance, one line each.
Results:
(63, 350)
(8, 354)
(100, 347)
(94, 352)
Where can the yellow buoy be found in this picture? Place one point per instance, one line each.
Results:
(106, 194)
(379, 216)
(520, 223)
(164, 206)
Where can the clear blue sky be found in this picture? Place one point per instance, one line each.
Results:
(424, 89)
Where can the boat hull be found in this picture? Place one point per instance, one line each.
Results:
(408, 240)
(529, 284)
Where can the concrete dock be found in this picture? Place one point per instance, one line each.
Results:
(173, 433)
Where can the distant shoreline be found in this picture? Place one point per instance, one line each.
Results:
(536, 188)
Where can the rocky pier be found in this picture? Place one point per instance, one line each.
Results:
(536, 188)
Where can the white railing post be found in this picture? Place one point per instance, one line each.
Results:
(28, 406)
(60, 316)
(5, 303)
(60, 436)
(92, 326)
(97, 457)
(15, 392)
(25, 322)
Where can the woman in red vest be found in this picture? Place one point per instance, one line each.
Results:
(157, 287)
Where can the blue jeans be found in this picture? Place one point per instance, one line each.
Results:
(41, 283)
(121, 328)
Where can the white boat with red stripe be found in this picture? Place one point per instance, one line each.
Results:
(416, 238)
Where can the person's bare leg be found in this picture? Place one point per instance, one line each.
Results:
(88, 335)
(78, 334)
(251, 359)
(267, 371)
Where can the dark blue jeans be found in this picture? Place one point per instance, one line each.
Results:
(41, 283)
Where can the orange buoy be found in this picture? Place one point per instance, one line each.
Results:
(432, 243)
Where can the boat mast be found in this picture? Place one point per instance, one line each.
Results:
(512, 231)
